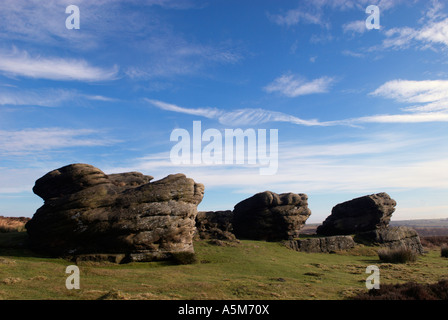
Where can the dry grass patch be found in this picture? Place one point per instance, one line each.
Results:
(13, 224)
(11, 280)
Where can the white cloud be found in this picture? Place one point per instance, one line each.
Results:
(239, 117)
(400, 118)
(344, 5)
(436, 11)
(358, 26)
(43, 22)
(432, 95)
(295, 16)
(32, 141)
(48, 97)
(436, 32)
(171, 55)
(370, 163)
(52, 68)
(313, 12)
(248, 116)
(294, 86)
(354, 54)
(99, 98)
(433, 33)
(45, 98)
(203, 112)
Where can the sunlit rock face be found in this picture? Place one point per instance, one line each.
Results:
(87, 212)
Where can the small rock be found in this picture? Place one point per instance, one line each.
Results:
(322, 245)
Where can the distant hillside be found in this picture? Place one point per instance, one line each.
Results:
(425, 227)
(12, 224)
(433, 223)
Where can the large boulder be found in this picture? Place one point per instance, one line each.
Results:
(87, 212)
(393, 238)
(270, 216)
(331, 244)
(359, 215)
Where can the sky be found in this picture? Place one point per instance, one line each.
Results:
(358, 110)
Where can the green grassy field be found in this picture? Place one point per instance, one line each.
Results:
(249, 270)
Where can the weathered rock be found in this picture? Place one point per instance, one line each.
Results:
(393, 237)
(322, 245)
(359, 215)
(88, 212)
(215, 225)
(270, 216)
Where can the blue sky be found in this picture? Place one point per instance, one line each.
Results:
(358, 111)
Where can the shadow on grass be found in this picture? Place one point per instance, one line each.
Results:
(15, 244)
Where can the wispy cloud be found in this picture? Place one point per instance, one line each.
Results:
(357, 26)
(22, 64)
(248, 116)
(43, 22)
(203, 112)
(293, 86)
(432, 34)
(295, 16)
(367, 163)
(47, 97)
(429, 95)
(314, 12)
(354, 54)
(32, 141)
(239, 117)
(155, 49)
(429, 99)
(420, 117)
(172, 55)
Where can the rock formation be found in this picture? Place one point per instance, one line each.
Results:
(270, 216)
(124, 217)
(322, 245)
(393, 237)
(215, 225)
(368, 218)
(359, 215)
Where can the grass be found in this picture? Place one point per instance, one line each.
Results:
(8, 224)
(397, 255)
(249, 270)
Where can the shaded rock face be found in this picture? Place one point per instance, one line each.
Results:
(270, 216)
(215, 225)
(330, 244)
(88, 212)
(359, 215)
(393, 238)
